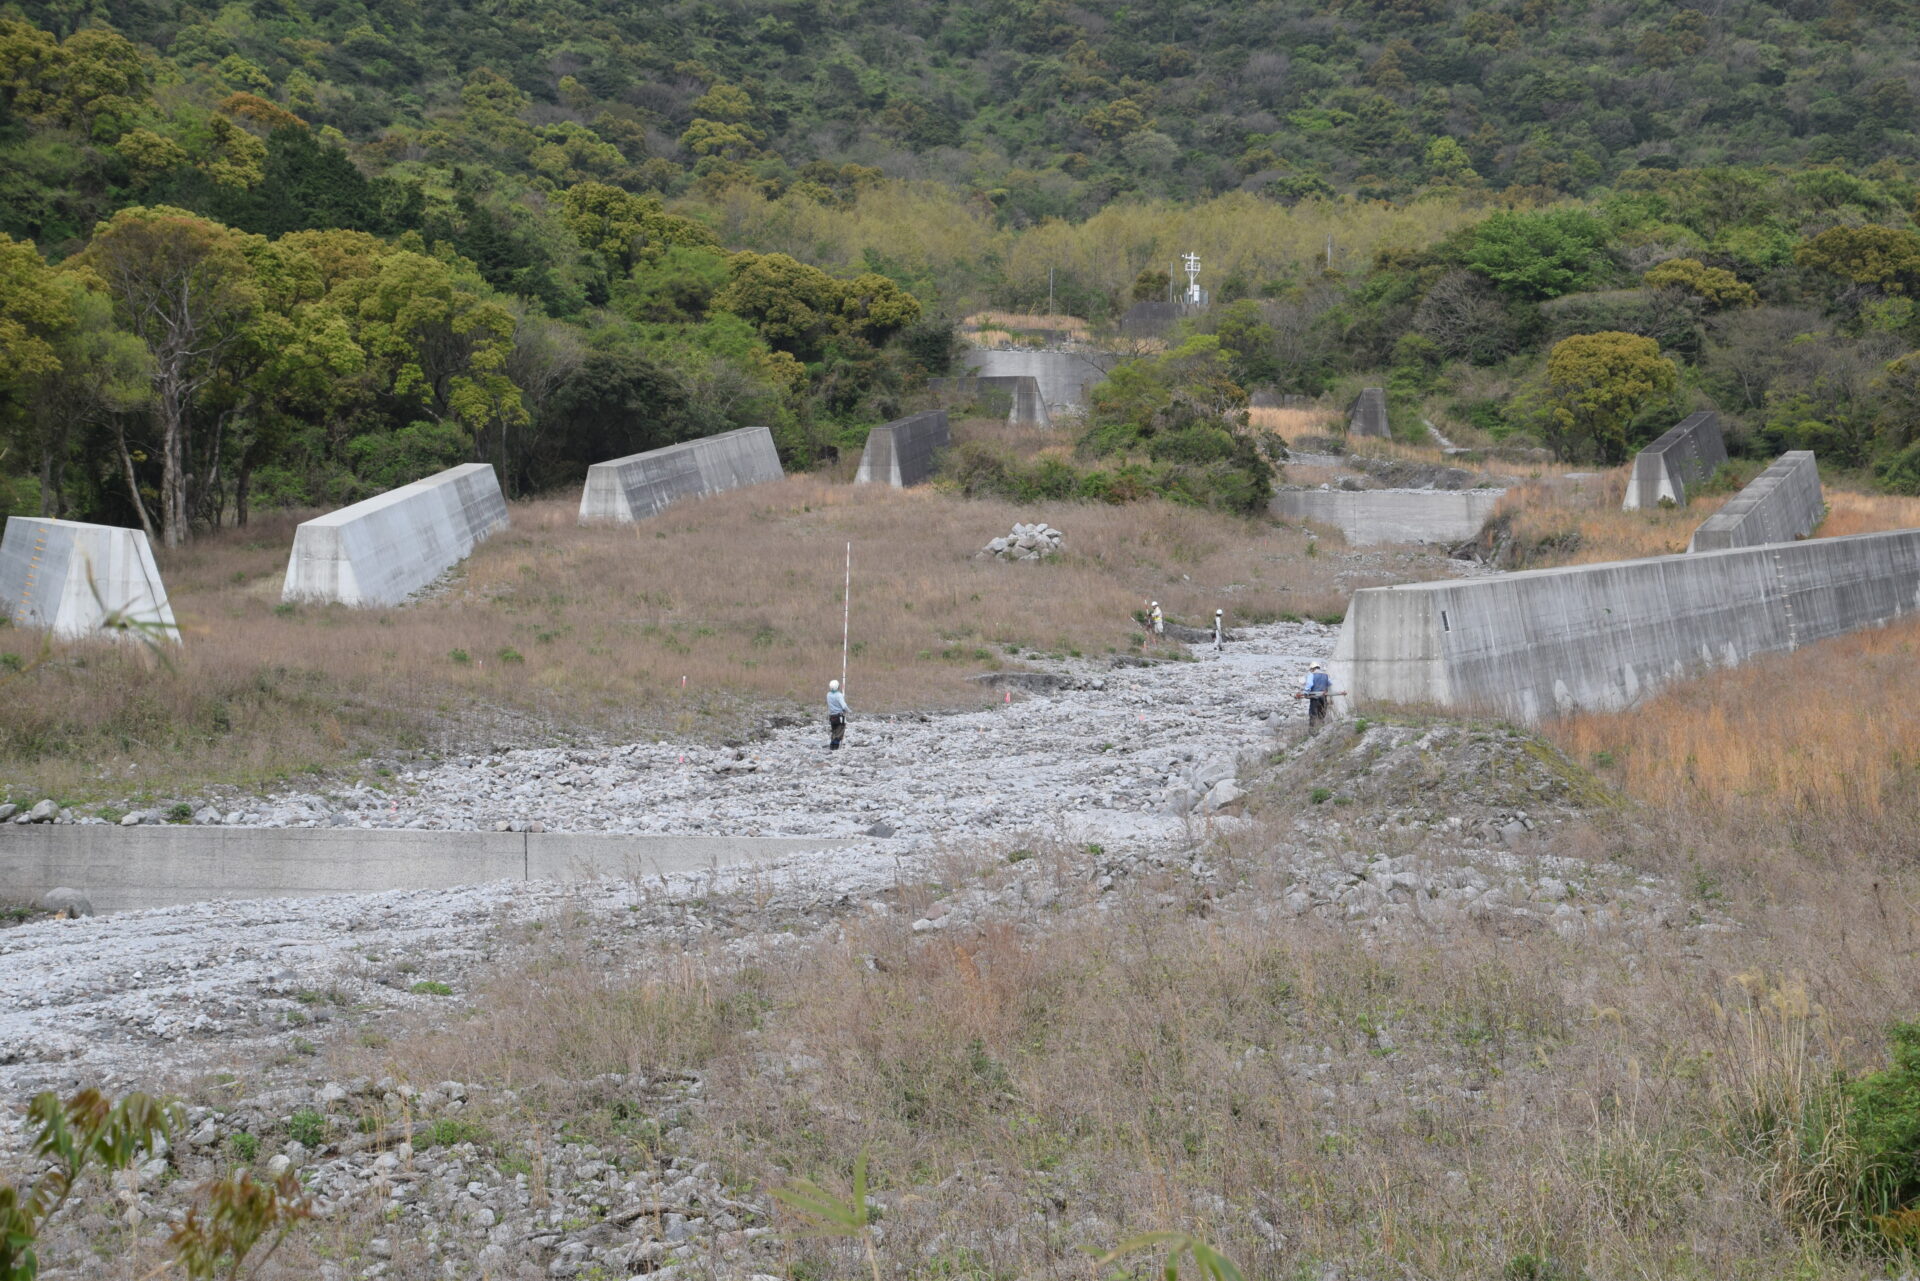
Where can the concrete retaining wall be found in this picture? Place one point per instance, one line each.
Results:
(1026, 406)
(1064, 377)
(1368, 417)
(1685, 455)
(1597, 637)
(121, 869)
(639, 485)
(69, 577)
(1783, 503)
(382, 550)
(1370, 516)
(904, 452)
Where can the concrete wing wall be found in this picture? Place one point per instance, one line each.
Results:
(1783, 503)
(68, 576)
(1684, 455)
(904, 452)
(384, 549)
(1368, 417)
(1370, 516)
(1596, 637)
(641, 485)
(1026, 406)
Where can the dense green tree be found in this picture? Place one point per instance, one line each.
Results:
(1597, 384)
(1539, 255)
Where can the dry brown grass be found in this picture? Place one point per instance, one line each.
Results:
(1851, 513)
(1827, 734)
(1000, 326)
(551, 629)
(1291, 424)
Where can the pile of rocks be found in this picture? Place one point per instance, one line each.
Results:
(1026, 542)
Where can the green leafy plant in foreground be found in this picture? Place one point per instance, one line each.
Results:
(84, 1131)
(828, 1215)
(1208, 1263)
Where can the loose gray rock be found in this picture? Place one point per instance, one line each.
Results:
(44, 812)
(7, 811)
(66, 902)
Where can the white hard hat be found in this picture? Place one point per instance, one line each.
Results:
(836, 684)
(1313, 667)
(1156, 604)
(1218, 612)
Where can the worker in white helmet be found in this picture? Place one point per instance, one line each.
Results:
(836, 715)
(1155, 617)
(1219, 630)
(1317, 689)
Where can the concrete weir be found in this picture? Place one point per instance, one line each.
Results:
(1368, 417)
(903, 453)
(122, 869)
(69, 577)
(641, 485)
(1686, 454)
(1781, 504)
(382, 550)
(1026, 407)
(1598, 637)
(1369, 516)
(1063, 377)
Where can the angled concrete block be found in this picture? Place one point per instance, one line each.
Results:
(382, 550)
(639, 485)
(1368, 416)
(1686, 454)
(903, 453)
(1369, 516)
(1599, 637)
(1783, 503)
(69, 577)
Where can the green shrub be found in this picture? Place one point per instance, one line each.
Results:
(244, 1147)
(307, 1128)
(430, 987)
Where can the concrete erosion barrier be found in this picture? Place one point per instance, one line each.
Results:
(1685, 454)
(1063, 377)
(121, 869)
(1597, 637)
(1026, 407)
(1781, 504)
(382, 550)
(641, 485)
(903, 453)
(1370, 516)
(1368, 416)
(68, 577)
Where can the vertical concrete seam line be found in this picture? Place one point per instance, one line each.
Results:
(526, 856)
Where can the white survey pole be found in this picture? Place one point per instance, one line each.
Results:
(846, 617)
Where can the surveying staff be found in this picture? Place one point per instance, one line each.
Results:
(1317, 689)
(1219, 630)
(836, 715)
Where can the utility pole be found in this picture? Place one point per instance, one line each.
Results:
(1329, 251)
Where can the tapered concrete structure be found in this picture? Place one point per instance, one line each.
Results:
(1369, 516)
(903, 453)
(1063, 378)
(1687, 454)
(639, 485)
(70, 578)
(382, 550)
(1026, 406)
(1368, 417)
(1599, 637)
(1783, 503)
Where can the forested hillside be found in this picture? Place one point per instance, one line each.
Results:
(545, 234)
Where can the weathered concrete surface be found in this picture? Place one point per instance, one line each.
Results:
(1781, 504)
(1595, 637)
(1369, 516)
(1686, 454)
(384, 549)
(1368, 417)
(1064, 377)
(903, 453)
(69, 577)
(121, 869)
(1025, 405)
(641, 485)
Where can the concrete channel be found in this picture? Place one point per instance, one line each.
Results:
(123, 869)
